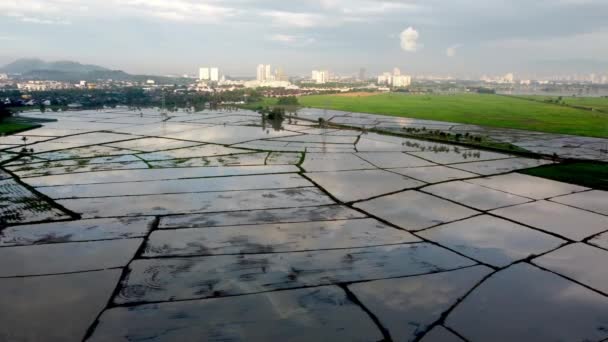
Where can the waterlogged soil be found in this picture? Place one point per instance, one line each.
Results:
(223, 225)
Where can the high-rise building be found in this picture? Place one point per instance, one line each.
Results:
(320, 76)
(203, 74)
(395, 79)
(264, 73)
(593, 78)
(385, 78)
(362, 74)
(402, 81)
(279, 75)
(214, 75)
(260, 73)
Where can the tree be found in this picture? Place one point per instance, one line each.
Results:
(288, 101)
(4, 112)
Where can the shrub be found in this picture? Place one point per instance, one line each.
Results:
(4, 112)
(288, 101)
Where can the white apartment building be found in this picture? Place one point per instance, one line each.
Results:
(204, 74)
(395, 79)
(320, 76)
(402, 81)
(214, 74)
(385, 78)
(264, 73)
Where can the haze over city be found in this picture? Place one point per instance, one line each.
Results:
(460, 38)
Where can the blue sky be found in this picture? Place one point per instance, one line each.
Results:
(457, 37)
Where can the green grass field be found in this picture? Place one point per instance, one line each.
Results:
(597, 103)
(485, 110)
(590, 174)
(10, 127)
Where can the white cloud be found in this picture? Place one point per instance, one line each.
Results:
(409, 39)
(283, 38)
(451, 51)
(296, 19)
(37, 20)
(291, 39)
(56, 11)
(382, 7)
(309, 14)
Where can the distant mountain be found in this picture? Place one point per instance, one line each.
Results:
(26, 65)
(69, 71)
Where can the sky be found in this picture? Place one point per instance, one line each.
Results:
(462, 38)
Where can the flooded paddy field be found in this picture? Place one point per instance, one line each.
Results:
(121, 225)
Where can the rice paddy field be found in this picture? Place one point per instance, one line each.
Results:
(479, 109)
(595, 103)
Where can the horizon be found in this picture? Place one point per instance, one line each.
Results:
(463, 39)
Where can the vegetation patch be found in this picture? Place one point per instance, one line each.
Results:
(460, 138)
(478, 109)
(589, 174)
(10, 127)
(590, 103)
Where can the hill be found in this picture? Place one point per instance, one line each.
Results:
(27, 65)
(70, 71)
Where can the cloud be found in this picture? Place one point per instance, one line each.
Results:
(283, 38)
(409, 39)
(297, 19)
(451, 51)
(37, 20)
(291, 39)
(180, 10)
(55, 11)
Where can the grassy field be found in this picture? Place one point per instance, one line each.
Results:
(596, 103)
(590, 174)
(9, 127)
(485, 110)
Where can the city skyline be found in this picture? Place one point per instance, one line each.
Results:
(461, 38)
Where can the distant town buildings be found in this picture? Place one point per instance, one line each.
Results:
(42, 85)
(396, 79)
(266, 78)
(506, 79)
